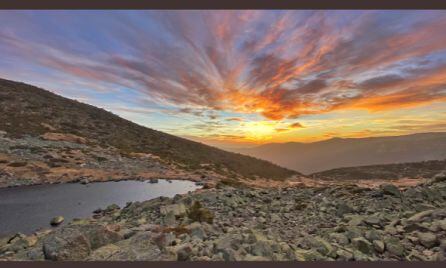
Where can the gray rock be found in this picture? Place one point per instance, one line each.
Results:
(262, 248)
(379, 246)
(104, 253)
(140, 247)
(184, 252)
(390, 189)
(442, 224)
(363, 245)
(99, 235)
(394, 246)
(372, 220)
(419, 216)
(169, 219)
(428, 240)
(343, 208)
(196, 230)
(372, 235)
(344, 255)
(440, 177)
(57, 220)
(176, 209)
(250, 257)
(66, 244)
(321, 245)
(339, 238)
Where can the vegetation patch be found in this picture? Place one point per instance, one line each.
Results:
(198, 213)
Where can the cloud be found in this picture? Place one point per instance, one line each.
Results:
(279, 64)
(296, 125)
(236, 119)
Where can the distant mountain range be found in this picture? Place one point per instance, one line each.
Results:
(339, 152)
(32, 111)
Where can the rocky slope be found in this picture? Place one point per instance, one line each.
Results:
(40, 160)
(351, 152)
(47, 138)
(233, 224)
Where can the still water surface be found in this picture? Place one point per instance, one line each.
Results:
(25, 209)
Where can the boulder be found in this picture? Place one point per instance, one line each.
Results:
(140, 247)
(372, 220)
(390, 189)
(177, 209)
(66, 244)
(57, 220)
(99, 235)
(250, 257)
(104, 252)
(363, 245)
(184, 252)
(428, 240)
(394, 247)
(379, 246)
(419, 216)
(339, 238)
(320, 245)
(343, 208)
(439, 177)
(196, 230)
(169, 219)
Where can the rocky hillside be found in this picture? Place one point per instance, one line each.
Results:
(417, 170)
(304, 224)
(339, 152)
(28, 111)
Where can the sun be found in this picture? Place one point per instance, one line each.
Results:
(259, 131)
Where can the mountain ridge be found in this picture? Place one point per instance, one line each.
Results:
(29, 110)
(350, 152)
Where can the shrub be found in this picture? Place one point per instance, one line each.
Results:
(230, 182)
(197, 213)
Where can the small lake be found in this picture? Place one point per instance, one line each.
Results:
(28, 208)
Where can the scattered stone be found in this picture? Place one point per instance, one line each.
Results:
(390, 189)
(363, 245)
(66, 244)
(394, 246)
(177, 209)
(169, 219)
(378, 246)
(440, 177)
(57, 220)
(184, 252)
(428, 240)
(242, 224)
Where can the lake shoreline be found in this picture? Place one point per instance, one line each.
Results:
(36, 205)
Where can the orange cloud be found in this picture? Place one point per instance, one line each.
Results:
(280, 65)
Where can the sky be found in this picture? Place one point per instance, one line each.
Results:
(240, 78)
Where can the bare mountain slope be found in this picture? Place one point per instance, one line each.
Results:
(28, 110)
(338, 152)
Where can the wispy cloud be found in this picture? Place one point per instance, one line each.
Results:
(281, 65)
